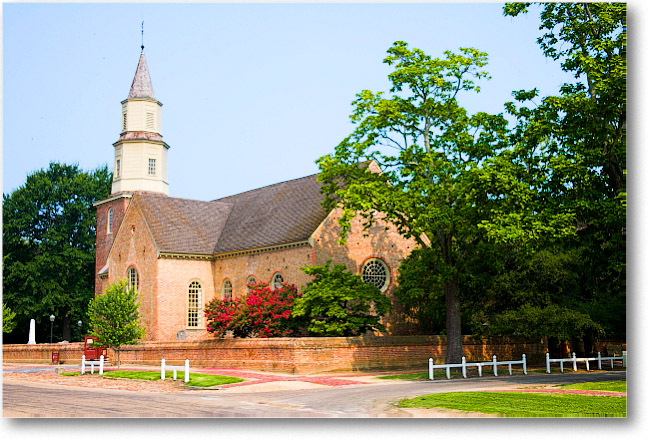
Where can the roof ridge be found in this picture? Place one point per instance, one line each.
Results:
(263, 187)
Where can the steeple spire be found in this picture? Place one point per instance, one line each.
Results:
(141, 86)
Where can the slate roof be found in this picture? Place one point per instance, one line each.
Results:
(282, 213)
(183, 225)
(141, 86)
(278, 214)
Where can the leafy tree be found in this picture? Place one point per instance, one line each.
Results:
(549, 321)
(263, 313)
(114, 317)
(338, 303)
(421, 291)
(579, 135)
(452, 184)
(48, 235)
(8, 319)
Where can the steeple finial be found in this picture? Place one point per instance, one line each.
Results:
(142, 36)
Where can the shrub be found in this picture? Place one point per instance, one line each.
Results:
(338, 303)
(264, 313)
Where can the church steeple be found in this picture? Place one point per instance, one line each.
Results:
(141, 86)
(140, 153)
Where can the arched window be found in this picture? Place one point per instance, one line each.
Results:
(250, 281)
(227, 290)
(277, 281)
(132, 278)
(375, 272)
(110, 220)
(194, 299)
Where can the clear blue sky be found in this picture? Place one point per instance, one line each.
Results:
(252, 94)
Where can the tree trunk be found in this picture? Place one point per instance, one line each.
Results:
(66, 328)
(454, 336)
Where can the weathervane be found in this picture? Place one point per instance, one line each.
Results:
(142, 35)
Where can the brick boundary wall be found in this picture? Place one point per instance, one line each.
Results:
(298, 355)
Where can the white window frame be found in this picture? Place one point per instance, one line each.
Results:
(372, 278)
(152, 166)
(226, 289)
(133, 276)
(250, 280)
(118, 169)
(110, 221)
(194, 305)
(273, 281)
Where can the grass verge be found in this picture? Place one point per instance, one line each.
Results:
(615, 386)
(517, 404)
(196, 379)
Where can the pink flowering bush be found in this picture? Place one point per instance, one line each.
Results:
(264, 313)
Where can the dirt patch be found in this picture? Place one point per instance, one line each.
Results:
(95, 382)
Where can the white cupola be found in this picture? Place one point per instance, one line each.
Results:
(140, 153)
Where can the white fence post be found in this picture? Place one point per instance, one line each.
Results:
(101, 364)
(162, 369)
(447, 372)
(523, 358)
(600, 366)
(83, 364)
(480, 370)
(430, 368)
(462, 361)
(187, 371)
(575, 363)
(494, 363)
(624, 354)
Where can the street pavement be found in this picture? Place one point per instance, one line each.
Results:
(281, 396)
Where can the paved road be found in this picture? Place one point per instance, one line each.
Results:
(22, 399)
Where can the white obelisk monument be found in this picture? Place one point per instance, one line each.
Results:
(32, 332)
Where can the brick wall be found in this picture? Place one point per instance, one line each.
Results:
(135, 247)
(104, 240)
(297, 355)
(380, 241)
(173, 278)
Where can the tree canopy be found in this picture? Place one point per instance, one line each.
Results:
(48, 235)
(114, 317)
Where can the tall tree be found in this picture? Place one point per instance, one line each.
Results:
(452, 183)
(579, 136)
(48, 237)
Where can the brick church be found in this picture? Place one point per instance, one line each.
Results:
(182, 253)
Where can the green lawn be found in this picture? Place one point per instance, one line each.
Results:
(196, 379)
(517, 404)
(616, 386)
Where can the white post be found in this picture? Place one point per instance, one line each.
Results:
(462, 361)
(83, 364)
(494, 363)
(187, 371)
(624, 359)
(92, 367)
(600, 366)
(174, 372)
(32, 332)
(611, 362)
(548, 363)
(430, 368)
(480, 370)
(523, 358)
(101, 365)
(448, 374)
(587, 364)
(575, 362)
(562, 365)
(162, 369)
(510, 369)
